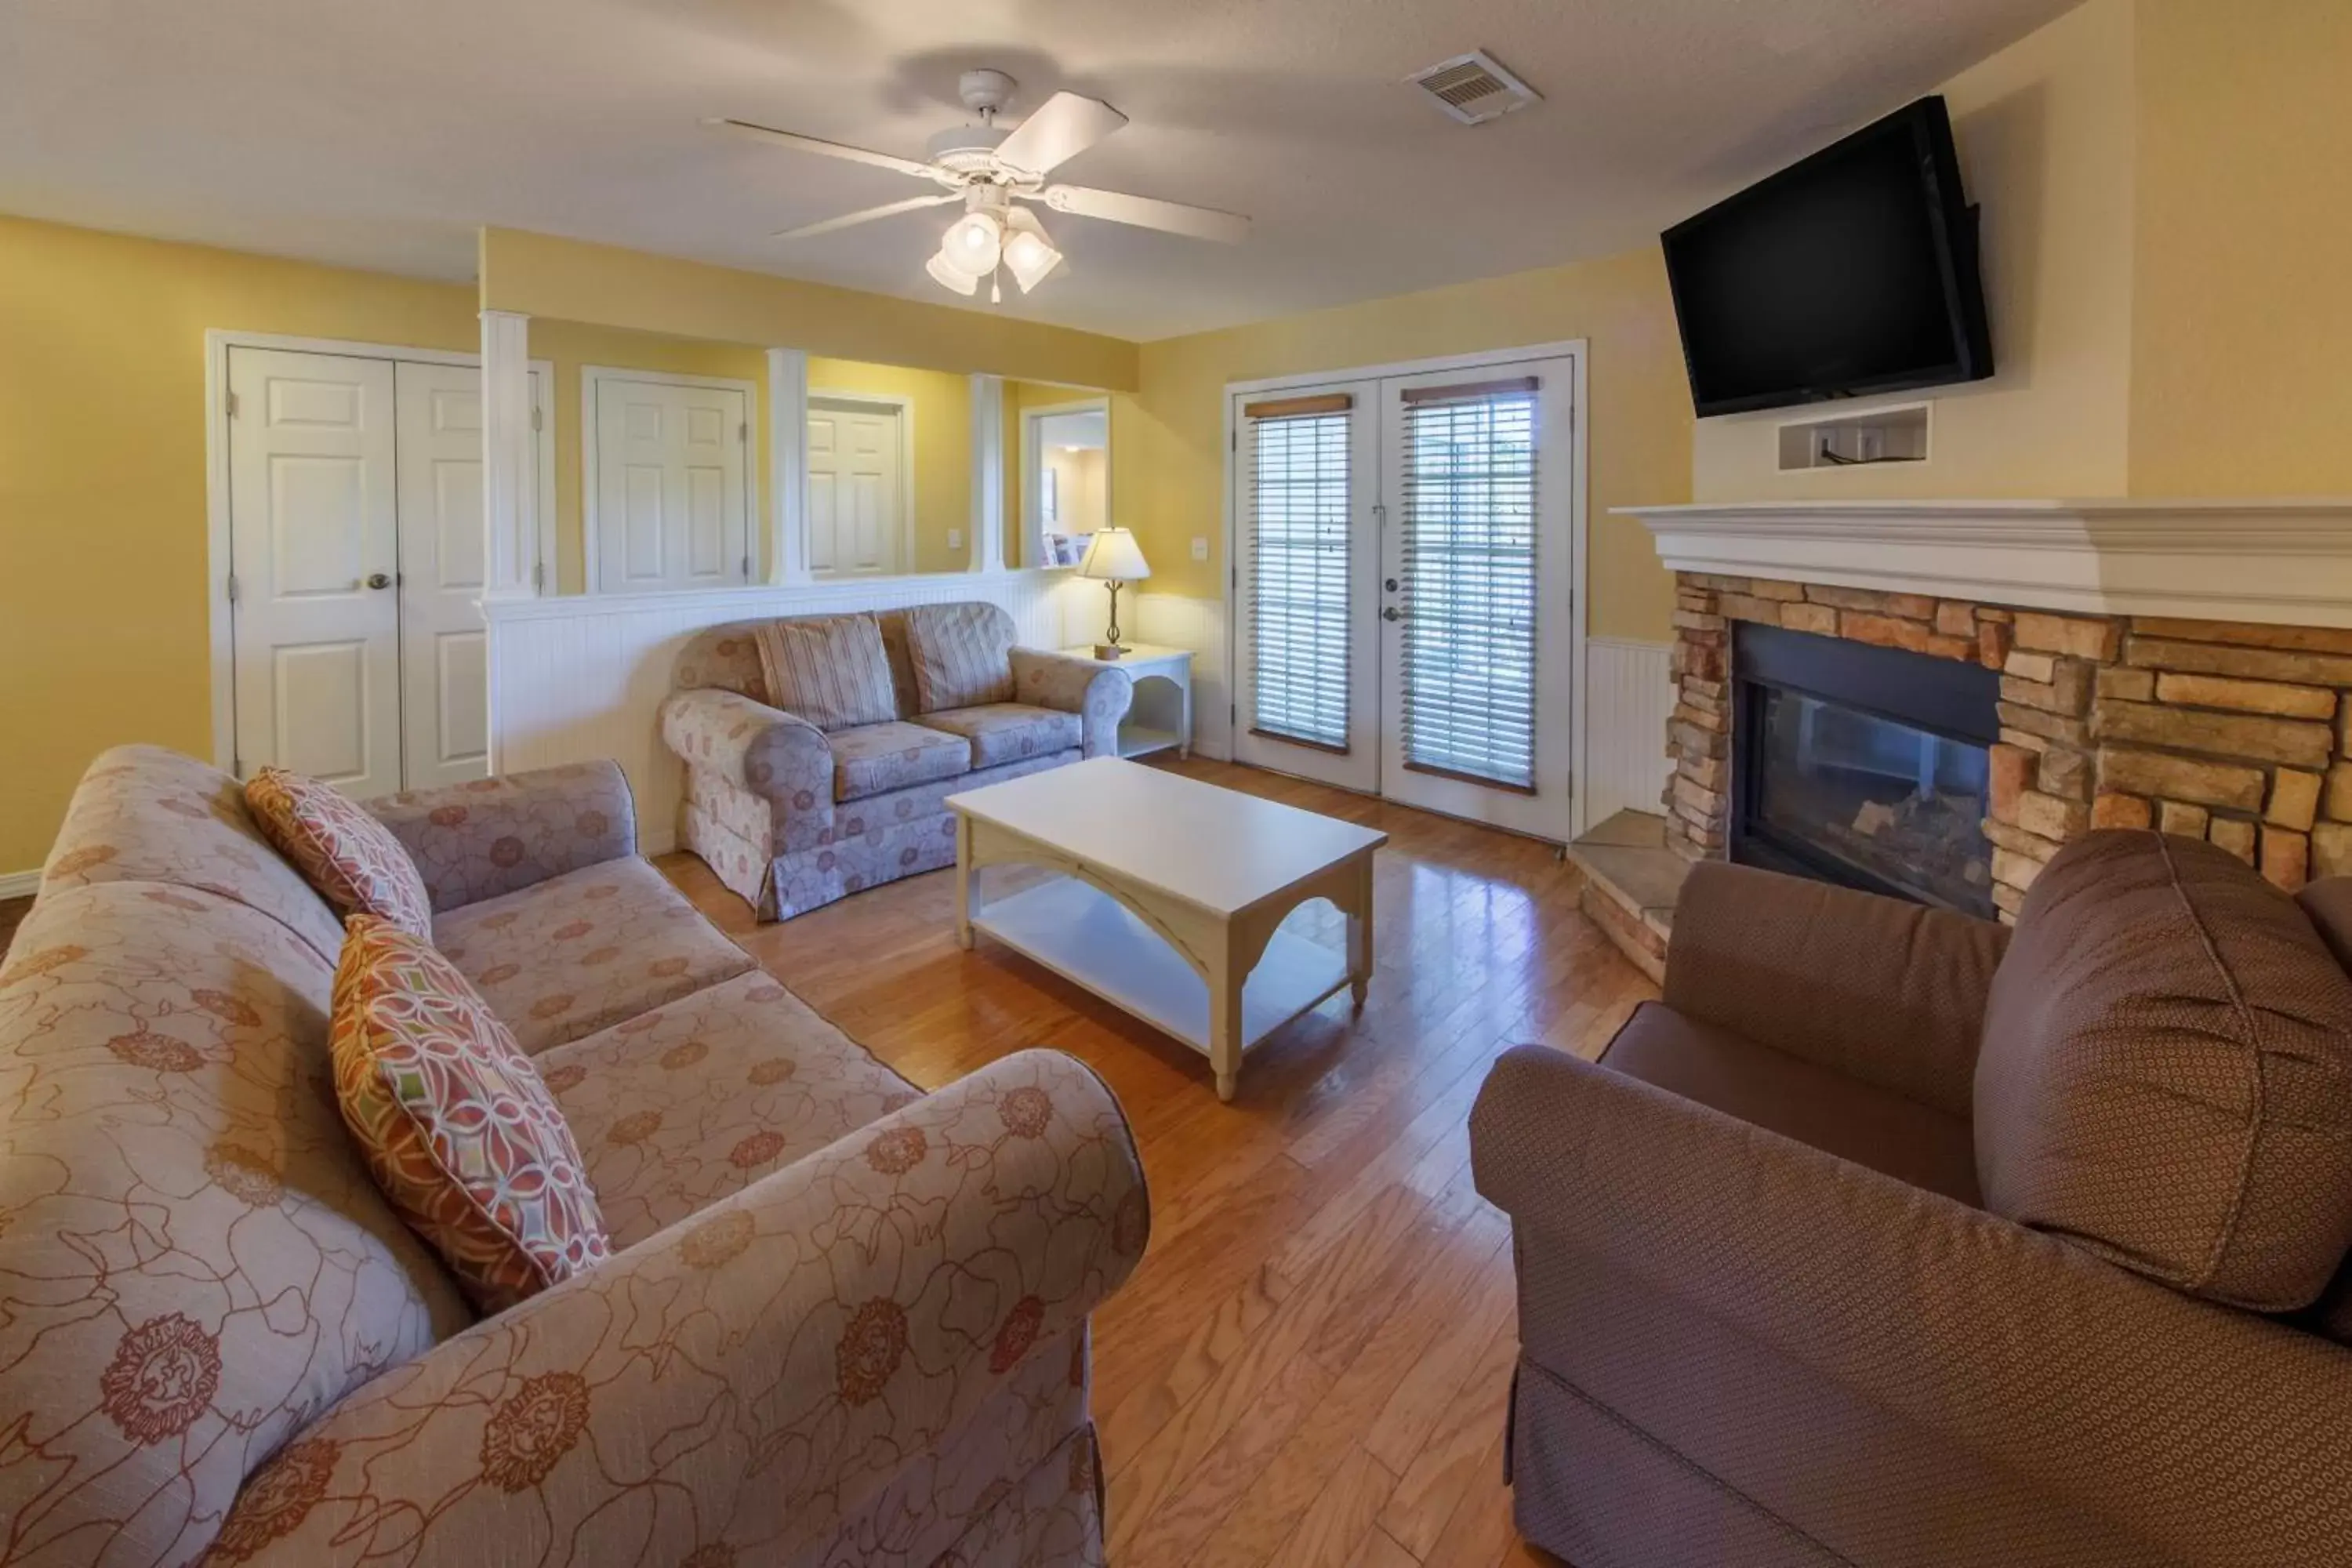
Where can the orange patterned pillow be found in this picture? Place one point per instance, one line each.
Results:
(454, 1122)
(350, 858)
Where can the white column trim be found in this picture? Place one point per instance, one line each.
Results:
(788, 455)
(988, 473)
(510, 459)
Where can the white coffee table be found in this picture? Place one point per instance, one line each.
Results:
(1170, 896)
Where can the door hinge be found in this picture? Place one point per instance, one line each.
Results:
(743, 431)
(539, 575)
(232, 588)
(237, 766)
(747, 569)
(1233, 440)
(232, 404)
(534, 417)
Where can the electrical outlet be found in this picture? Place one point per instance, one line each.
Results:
(955, 539)
(1199, 550)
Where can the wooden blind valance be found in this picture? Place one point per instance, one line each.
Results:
(1470, 389)
(1299, 407)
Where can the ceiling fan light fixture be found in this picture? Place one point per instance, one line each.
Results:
(1029, 254)
(947, 274)
(974, 243)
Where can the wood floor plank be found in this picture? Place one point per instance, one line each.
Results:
(1309, 1365)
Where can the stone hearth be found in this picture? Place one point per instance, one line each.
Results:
(2233, 732)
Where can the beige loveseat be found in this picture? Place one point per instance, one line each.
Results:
(846, 1322)
(794, 818)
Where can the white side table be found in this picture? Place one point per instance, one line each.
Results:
(1161, 715)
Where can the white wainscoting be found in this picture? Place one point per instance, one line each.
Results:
(584, 676)
(1628, 696)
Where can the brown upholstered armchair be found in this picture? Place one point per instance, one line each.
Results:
(1889, 1237)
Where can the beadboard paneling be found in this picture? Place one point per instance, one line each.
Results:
(1628, 696)
(584, 676)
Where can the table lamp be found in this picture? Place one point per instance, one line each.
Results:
(1112, 557)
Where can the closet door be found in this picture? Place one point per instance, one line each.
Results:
(314, 536)
(671, 484)
(1478, 629)
(857, 510)
(445, 679)
(1306, 559)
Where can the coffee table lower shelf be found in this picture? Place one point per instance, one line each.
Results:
(1093, 941)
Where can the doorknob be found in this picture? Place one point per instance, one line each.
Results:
(1390, 614)
(379, 580)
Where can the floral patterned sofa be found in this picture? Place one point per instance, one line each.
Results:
(793, 817)
(845, 1322)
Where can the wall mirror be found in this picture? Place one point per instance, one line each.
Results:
(1056, 471)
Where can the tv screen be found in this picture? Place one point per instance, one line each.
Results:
(1851, 272)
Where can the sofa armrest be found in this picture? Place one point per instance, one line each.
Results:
(2213, 1434)
(1890, 993)
(766, 751)
(752, 1375)
(1097, 693)
(487, 836)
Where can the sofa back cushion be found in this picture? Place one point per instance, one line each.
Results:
(2167, 1072)
(828, 670)
(143, 814)
(194, 1263)
(961, 655)
(724, 656)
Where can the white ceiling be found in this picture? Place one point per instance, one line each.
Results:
(379, 135)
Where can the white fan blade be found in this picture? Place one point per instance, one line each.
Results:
(1063, 126)
(1174, 217)
(868, 216)
(811, 144)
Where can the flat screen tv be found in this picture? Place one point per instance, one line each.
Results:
(1850, 273)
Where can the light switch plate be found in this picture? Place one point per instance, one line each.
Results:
(955, 539)
(1199, 550)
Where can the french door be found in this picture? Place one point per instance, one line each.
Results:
(1405, 572)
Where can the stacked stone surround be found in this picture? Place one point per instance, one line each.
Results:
(2231, 731)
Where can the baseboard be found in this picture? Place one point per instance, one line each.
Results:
(19, 884)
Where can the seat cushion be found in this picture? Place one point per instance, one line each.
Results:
(878, 757)
(351, 858)
(828, 670)
(454, 1122)
(582, 951)
(1780, 1093)
(679, 1106)
(2167, 1072)
(960, 655)
(1009, 732)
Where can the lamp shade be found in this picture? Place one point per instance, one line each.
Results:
(1113, 555)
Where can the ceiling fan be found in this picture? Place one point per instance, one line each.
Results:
(989, 170)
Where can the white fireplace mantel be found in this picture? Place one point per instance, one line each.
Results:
(2287, 561)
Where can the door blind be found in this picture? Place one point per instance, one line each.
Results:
(1469, 588)
(1298, 609)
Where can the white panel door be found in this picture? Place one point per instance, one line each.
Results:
(672, 485)
(1477, 628)
(857, 510)
(1306, 556)
(314, 536)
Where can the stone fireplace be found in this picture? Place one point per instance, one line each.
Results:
(2184, 666)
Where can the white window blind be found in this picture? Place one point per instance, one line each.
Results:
(1468, 585)
(1298, 609)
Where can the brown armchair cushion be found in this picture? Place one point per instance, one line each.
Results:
(828, 670)
(2167, 1073)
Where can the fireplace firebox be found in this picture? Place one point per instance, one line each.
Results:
(1862, 765)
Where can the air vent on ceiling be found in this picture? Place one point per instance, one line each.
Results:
(1473, 87)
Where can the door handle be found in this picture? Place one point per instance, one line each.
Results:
(1390, 614)
(379, 580)
(1389, 584)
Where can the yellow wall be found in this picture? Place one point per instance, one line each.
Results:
(940, 407)
(572, 344)
(102, 573)
(2045, 130)
(542, 276)
(2242, 326)
(1167, 442)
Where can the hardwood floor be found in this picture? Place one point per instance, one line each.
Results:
(1310, 1365)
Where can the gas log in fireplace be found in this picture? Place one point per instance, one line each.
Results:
(1861, 766)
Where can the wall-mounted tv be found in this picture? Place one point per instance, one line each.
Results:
(1850, 273)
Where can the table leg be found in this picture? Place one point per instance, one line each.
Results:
(1225, 1020)
(1360, 933)
(964, 881)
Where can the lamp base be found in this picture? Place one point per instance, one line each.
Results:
(1110, 650)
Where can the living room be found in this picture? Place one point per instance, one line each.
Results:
(1057, 979)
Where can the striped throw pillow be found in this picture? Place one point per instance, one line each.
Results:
(961, 654)
(828, 670)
